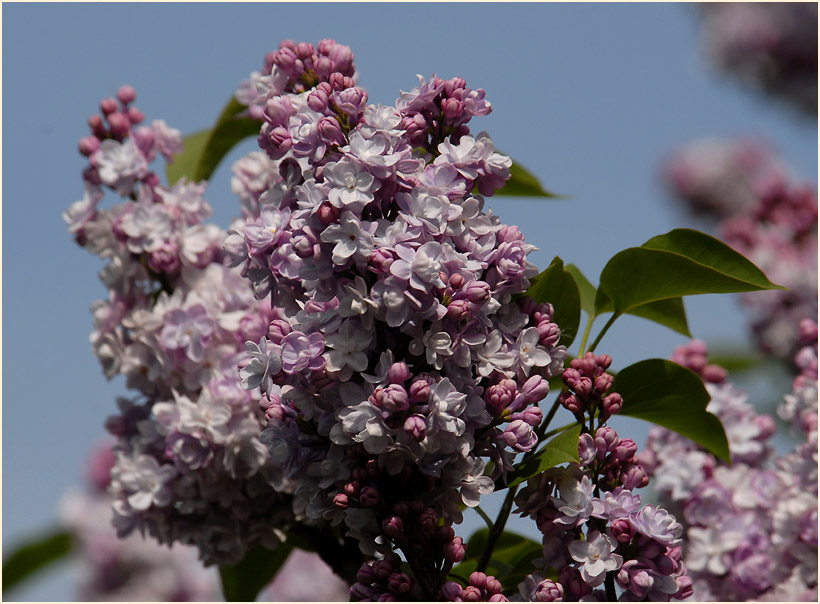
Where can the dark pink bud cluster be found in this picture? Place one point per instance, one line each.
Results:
(613, 459)
(304, 66)
(588, 384)
(115, 122)
(440, 111)
(480, 588)
(383, 581)
(694, 356)
(653, 561)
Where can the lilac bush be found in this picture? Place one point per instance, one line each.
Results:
(361, 355)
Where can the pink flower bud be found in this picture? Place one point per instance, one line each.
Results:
(625, 449)
(451, 108)
(548, 333)
(471, 594)
(478, 579)
(380, 261)
(456, 281)
(606, 439)
(419, 391)
(520, 436)
(531, 415)
(119, 124)
(399, 583)
(714, 374)
(634, 477)
(317, 100)
(458, 309)
(535, 388)
(340, 501)
(571, 403)
(365, 574)
(88, 145)
(622, 530)
(398, 373)
(331, 131)
(277, 330)
(126, 94)
(500, 395)
(603, 382)
(612, 404)
(352, 488)
(393, 527)
(451, 591)
(359, 592)
(477, 292)
(583, 387)
(328, 213)
(415, 427)
(586, 449)
(108, 106)
(493, 587)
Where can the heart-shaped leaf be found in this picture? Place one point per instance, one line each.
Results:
(557, 286)
(672, 396)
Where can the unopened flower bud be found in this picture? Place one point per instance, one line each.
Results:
(477, 292)
(605, 441)
(360, 592)
(451, 591)
(399, 583)
(622, 530)
(88, 145)
(451, 108)
(548, 591)
(478, 579)
(456, 280)
(278, 329)
(471, 594)
(328, 213)
(393, 527)
(714, 374)
(369, 497)
(118, 123)
(415, 427)
(323, 68)
(586, 449)
(340, 501)
(351, 489)
(500, 395)
(398, 373)
(108, 106)
(520, 436)
(531, 415)
(365, 574)
(612, 404)
(331, 131)
(634, 477)
(548, 333)
(135, 116)
(625, 449)
(419, 391)
(458, 309)
(535, 388)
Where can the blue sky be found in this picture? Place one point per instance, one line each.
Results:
(589, 97)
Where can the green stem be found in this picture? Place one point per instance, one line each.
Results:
(484, 516)
(497, 530)
(588, 328)
(603, 331)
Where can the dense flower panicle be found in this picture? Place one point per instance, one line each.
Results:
(771, 46)
(396, 359)
(750, 528)
(189, 465)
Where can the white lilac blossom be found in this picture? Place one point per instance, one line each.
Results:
(595, 557)
(750, 528)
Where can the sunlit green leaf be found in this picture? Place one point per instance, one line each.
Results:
(204, 150)
(561, 449)
(523, 183)
(557, 286)
(585, 289)
(672, 396)
(33, 555)
(681, 263)
(242, 582)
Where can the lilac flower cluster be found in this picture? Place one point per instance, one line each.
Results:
(771, 46)
(720, 177)
(750, 528)
(190, 467)
(395, 359)
(592, 530)
(131, 569)
(768, 219)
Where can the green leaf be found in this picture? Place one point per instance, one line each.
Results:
(33, 555)
(681, 263)
(523, 183)
(242, 582)
(561, 449)
(512, 553)
(669, 312)
(672, 396)
(204, 150)
(557, 286)
(585, 289)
